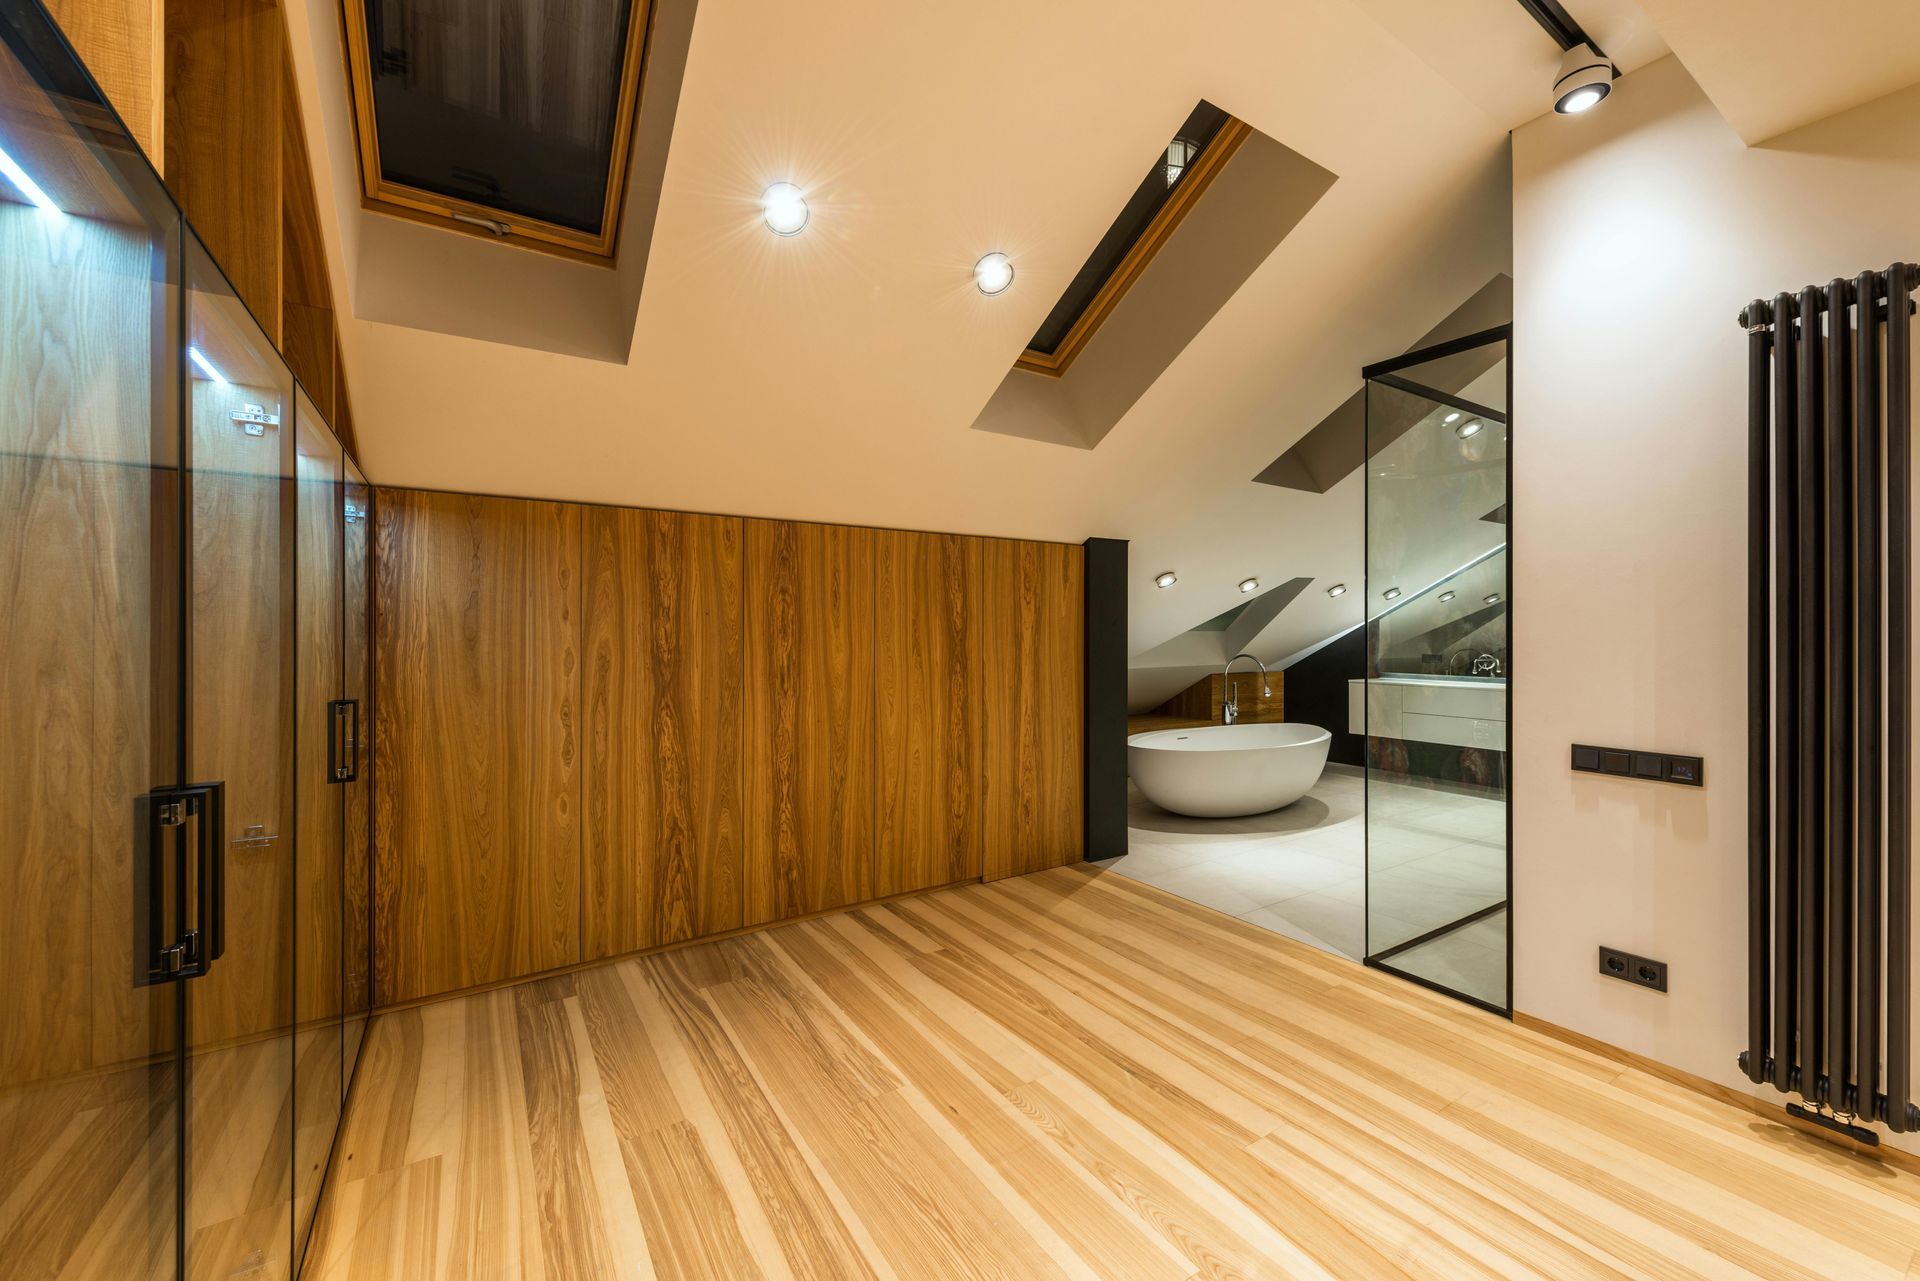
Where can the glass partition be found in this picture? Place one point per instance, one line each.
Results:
(1438, 659)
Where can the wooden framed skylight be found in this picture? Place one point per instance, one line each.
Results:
(499, 118)
(1200, 148)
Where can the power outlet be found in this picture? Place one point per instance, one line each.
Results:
(1629, 968)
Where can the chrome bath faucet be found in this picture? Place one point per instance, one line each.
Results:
(1231, 706)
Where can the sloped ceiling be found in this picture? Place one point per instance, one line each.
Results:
(834, 375)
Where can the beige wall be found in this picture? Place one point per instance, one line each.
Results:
(1639, 232)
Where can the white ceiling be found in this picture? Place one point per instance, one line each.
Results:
(835, 375)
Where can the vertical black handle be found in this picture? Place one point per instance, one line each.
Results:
(173, 947)
(343, 711)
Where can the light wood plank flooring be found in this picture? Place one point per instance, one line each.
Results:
(1063, 1075)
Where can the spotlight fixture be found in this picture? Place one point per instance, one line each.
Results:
(784, 208)
(1491, 598)
(1248, 584)
(1166, 578)
(1451, 418)
(993, 274)
(1583, 80)
(1469, 428)
(204, 365)
(1392, 593)
(26, 185)
(1447, 596)
(1338, 589)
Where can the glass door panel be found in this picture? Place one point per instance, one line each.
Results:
(240, 731)
(357, 521)
(1437, 678)
(319, 881)
(90, 687)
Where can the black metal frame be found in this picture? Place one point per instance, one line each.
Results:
(1386, 371)
(1103, 745)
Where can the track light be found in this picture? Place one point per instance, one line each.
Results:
(1165, 578)
(1584, 79)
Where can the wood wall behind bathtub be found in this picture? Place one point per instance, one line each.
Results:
(601, 730)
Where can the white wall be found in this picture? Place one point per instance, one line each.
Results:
(1639, 233)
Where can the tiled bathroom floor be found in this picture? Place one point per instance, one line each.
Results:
(1438, 855)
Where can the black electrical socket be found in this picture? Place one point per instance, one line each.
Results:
(1629, 968)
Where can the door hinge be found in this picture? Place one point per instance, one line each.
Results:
(254, 419)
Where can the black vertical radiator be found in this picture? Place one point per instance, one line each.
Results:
(1829, 697)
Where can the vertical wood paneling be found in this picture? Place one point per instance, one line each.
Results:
(664, 845)
(926, 711)
(1030, 645)
(810, 736)
(477, 777)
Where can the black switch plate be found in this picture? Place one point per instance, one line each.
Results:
(1638, 970)
(1658, 767)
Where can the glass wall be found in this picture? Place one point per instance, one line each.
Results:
(182, 633)
(1438, 659)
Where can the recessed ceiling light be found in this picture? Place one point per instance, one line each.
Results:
(27, 186)
(204, 365)
(784, 208)
(1338, 589)
(1166, 578)
(1447, 596)
(1491, 598)
(1392, 593)
(1248, 584)
(1585, 78)
(993, 274)
(1451, 418)
(1471, 427)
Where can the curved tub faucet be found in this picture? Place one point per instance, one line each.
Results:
(1230, 705)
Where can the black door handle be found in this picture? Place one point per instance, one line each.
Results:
(343, 712)
(169, 945)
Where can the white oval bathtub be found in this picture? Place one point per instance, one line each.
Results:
(1223, 771)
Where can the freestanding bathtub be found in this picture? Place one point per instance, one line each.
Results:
(1222, 771)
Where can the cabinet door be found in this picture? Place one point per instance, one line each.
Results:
(356, 514)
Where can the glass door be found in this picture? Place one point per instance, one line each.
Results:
(91, 897)
(1438, 657)
(240, 730)
(319, 888)
(357, 535)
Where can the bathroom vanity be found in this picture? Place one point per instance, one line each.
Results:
(1460, 711)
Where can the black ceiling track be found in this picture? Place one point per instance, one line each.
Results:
(1559, 24)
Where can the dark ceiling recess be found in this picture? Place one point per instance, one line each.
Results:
(497, 120)
(1180, 173)
(1559, 24)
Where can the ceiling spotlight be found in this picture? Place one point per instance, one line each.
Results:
(1447, 596)
(1491, 598)
(1338, 589)
(1248, 584)
(1165, 579)
(1471, 427)
(1451, 418)
(784, 208)
(993, 274)
(1392, 593)
(1583, 80)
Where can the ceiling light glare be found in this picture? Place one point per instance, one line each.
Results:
(784, 208)
(1468, 429)
(1248, 584)
(1451, 419)
(1447, 596)
(204, 365)
(1338, 589)
(1491, 598)
(1584, 80)
(993, 274)
(26, 185)
(1392, 593)
(1166, 578)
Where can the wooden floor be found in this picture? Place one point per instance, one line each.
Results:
(1064, 1075)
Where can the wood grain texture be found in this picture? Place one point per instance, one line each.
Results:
(927, 711)
(1063, 1074)
(1030, 630)
(665, 846)
(810, 723)
(477, 774)
(120, 41)
(358, 875)
(223, 138)
(1204, 701)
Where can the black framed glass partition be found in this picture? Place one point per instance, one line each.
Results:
(1438, 684)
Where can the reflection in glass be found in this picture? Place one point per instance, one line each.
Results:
(1436, 694)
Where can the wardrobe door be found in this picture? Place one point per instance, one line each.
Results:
(357, 935)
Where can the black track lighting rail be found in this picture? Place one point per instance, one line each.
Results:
(1559, 24)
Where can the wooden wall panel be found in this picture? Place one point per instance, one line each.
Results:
(1030, 645)
(664, 843)
(810, 727)
(926, 711)
(477, 807)
(120, 42)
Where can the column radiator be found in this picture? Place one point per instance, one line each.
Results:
(1829, 690)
